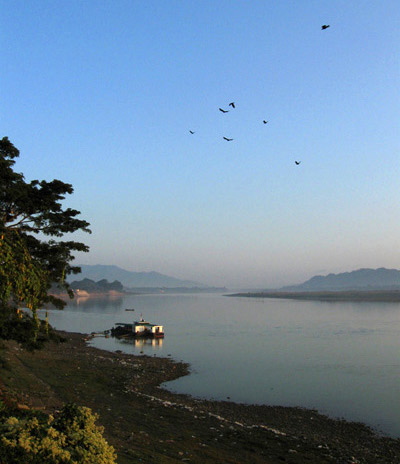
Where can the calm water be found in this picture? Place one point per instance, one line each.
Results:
(340, 358)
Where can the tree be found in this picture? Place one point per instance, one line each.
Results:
(31, 212)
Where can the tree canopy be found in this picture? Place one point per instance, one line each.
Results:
(32, 221)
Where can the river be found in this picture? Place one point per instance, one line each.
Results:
(339, 358)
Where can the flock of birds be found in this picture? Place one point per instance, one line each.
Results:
(232, 105)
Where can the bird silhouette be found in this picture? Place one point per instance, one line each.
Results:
(226, 138)
(297, 162)
(192, 132)
(224, 111)
(265, 122)
(325, 26)
(232, 104)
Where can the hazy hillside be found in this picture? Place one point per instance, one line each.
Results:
(91, 286)
(132, 279)
(362, 279)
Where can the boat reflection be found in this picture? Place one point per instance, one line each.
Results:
(154, 342)
(144, 342)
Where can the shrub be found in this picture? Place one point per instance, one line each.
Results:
(24, 329)
(71, 438)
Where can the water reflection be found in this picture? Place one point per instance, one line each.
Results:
(145, 342)
(153, 342)
(100, 302)
(128, 345)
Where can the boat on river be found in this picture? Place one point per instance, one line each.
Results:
(139, 329)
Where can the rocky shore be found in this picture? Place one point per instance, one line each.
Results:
(148, 424)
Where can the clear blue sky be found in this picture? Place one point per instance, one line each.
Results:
(102, 94)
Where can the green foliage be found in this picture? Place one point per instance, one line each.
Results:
(21, 326)
(72, 438)
(22, 277)
(29, 264)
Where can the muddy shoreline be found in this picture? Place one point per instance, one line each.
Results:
(146, 423)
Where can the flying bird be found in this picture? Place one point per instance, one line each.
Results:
(265, 122)
(226, 138)
(224, 111)
(325, 26)
(192, 132)
(297, 162)
(232, 104)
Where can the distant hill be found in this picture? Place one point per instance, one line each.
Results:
(362, 279)
(102, 286)
(130, 279)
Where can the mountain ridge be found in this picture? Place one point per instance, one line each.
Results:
(132, 279)
(360, 279)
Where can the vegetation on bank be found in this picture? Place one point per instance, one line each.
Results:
(33, 258)
(72, 436)
(22, 327)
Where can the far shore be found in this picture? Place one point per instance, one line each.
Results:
(388, 296)
(85, 294)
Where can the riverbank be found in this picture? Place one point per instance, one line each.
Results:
(389, 296)
(147, 423)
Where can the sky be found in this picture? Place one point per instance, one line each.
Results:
(102, 95)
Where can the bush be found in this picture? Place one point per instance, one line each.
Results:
(23, 328)
(71, 438)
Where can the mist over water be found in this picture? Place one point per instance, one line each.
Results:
(339, 358)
